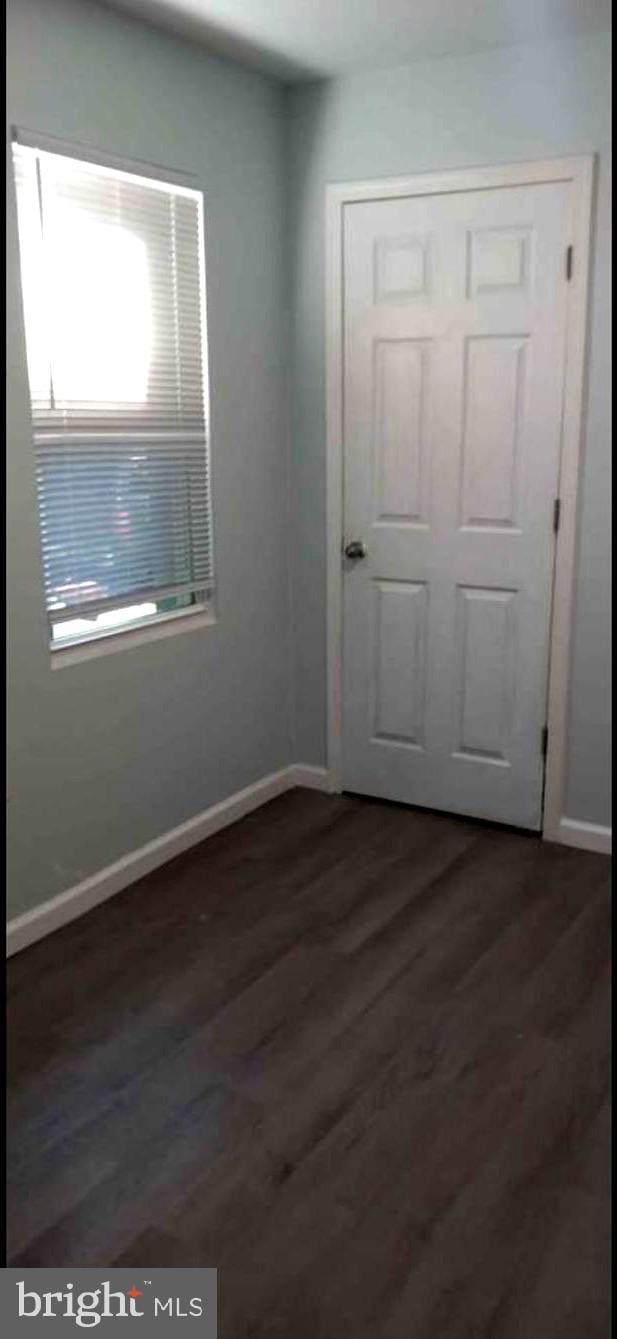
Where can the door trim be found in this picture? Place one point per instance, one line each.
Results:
(579, 171)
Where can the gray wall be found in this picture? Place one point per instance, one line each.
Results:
(105, 755)
(526, 102)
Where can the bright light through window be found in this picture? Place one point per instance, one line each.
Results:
(113, 293)
(100, 297)
(75, 628)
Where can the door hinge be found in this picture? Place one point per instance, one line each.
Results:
(556, 513)
(544, 741)
(569, 261)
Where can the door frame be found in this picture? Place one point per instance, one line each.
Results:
(579, 171)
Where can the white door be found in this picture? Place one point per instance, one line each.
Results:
(454, 346)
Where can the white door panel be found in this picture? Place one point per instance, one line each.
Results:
(454, 338)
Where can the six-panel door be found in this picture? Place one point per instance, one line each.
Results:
(454, 342)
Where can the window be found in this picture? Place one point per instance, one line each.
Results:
(113, 291)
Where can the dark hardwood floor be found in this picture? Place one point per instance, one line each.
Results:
(356, 1056)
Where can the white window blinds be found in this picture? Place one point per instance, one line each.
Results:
(113, 291)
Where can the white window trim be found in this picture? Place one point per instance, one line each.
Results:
(201, 615)
(104, 643)
(89, 153)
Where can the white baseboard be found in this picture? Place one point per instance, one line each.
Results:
(588, 836)
(67, 906)
(314, 778)
(74, 902)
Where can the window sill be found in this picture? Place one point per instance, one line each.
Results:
(124, 639)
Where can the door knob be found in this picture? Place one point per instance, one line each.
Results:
(355, 549)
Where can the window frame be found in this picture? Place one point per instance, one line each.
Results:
(202, 612)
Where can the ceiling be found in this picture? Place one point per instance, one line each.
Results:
(299, 39)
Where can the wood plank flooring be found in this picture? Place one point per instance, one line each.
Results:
(354, 1055)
